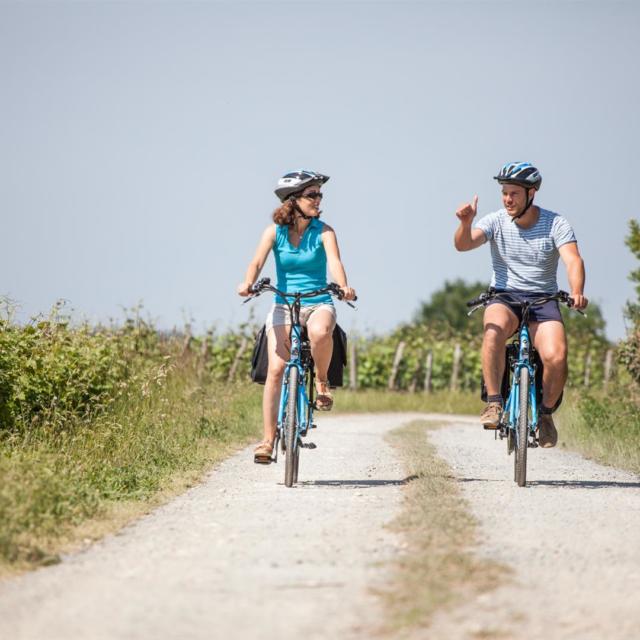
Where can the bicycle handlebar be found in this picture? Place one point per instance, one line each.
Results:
(492, 294)
(264, 284)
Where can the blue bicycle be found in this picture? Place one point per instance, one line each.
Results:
(295, 413)
(523, 391)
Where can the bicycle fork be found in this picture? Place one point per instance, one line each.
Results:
(512, 409)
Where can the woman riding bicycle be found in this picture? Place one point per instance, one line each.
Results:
(303, 247)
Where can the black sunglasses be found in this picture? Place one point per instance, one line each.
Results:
(312, 195)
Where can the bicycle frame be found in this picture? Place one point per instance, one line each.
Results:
(304, 403)
(512, 406)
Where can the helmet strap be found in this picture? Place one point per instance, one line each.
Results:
(298, 210)
(526, 207)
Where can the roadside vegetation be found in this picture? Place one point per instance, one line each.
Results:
(96, 418)
(604, 422)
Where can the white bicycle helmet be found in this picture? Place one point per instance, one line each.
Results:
(296, 181)
(521, 173)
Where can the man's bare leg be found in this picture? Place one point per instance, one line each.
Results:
(550, 342)
(499, 325)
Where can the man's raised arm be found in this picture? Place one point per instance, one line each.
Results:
(466, 237)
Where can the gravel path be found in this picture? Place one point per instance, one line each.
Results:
(239, 556)
(572, 539)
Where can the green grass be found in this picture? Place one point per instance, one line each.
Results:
(438, 567)
(54, 481)
(603, 427)
(459, 402)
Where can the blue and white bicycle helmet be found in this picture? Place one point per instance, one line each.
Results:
(296, 181)
(521, 173)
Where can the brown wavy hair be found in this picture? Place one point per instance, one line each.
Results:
(285, 213)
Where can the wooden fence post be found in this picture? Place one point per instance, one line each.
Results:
(608, 366)
(428, 367)
(455, 371)
(353, 366)
(413, 385)
(204, 351)
(396, 363)
(587, 369)
(236, 360)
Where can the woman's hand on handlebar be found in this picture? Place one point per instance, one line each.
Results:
(342, 293)
(348, 293)
(244, 289)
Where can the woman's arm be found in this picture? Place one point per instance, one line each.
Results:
(255, 266)
(335, 263)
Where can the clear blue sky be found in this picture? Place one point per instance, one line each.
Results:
(140, 143)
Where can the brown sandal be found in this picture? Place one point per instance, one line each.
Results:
(263, 453)
(324, 399)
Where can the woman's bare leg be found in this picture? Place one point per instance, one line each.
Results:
(320, 329)
(278, 348)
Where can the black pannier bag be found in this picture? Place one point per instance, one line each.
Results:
(511, 356)
(260, 357)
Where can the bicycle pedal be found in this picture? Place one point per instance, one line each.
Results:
(308, 445)
(313, 426)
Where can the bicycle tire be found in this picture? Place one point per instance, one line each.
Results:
(296, 463)
(290, 428)
(523, 428)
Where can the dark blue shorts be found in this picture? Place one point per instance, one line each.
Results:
(540, 313)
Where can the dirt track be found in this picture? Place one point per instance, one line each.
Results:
(572, 539)
(241, 556)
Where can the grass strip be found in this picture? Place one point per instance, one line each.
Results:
(602, 427)
(438, 567)
(62, 487)
(380, 400)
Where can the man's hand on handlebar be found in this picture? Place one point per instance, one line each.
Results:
(579, 302)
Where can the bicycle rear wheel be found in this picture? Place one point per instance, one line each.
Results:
(291, 430)
(522, 439)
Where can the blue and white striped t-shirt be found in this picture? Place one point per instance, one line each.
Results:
(525, 259)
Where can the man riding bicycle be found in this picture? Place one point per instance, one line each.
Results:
(526, 242)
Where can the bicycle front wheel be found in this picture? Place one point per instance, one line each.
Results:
(291, 430)
(522, 437)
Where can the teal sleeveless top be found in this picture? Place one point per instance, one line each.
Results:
(303, 268)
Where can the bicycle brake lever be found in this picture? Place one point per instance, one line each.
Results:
(251, 297)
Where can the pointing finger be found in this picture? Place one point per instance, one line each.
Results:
(475, 204)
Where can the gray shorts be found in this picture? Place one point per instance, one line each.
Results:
(279, 315)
